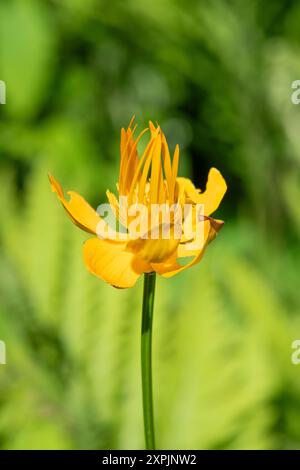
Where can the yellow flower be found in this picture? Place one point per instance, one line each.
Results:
(147, 182)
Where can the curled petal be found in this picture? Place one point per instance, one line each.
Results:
(79, 211)
(172, 267)
(186, 184)
(212, 196)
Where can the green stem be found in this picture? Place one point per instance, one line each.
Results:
(146, 357)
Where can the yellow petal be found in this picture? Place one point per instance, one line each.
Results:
(141, 162)
(167, 166)
(132, 162)
(79, 211)
(186, 184)
(126, 146)
(111, 263)
(212, 196)
(172, 267)
(175, 163)
(154, 250)
(186, 249)
(155, 171)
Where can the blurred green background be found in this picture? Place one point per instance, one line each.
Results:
(217, 76)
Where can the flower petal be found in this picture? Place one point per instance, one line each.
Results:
(172, 267)
(152, 250)
(157, 245)
(186, 184)
(79, 211)
(109, 261)
(212, 196)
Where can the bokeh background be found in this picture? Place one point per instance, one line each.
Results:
(217, 75)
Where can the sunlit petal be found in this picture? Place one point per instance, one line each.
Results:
(111, 263)
(79, 211)
(212, 196)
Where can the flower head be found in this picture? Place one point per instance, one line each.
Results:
(160, 217)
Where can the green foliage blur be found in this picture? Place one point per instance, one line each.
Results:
(217, 76)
